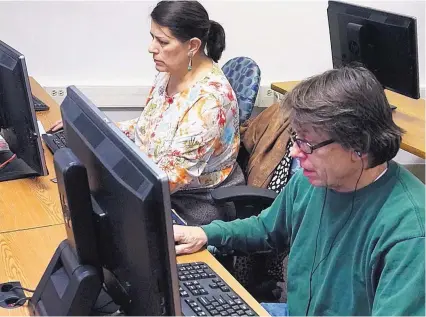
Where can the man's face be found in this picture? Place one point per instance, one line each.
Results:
(169, 54)
(330, 165)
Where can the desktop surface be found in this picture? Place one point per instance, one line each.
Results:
(26, 253)
(33, 202)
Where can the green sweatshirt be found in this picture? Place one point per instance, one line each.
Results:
(376, 265)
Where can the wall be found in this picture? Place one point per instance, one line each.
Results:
(104, 43)
(101, 46)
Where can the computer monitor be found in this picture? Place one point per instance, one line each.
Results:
(128, 199)
(385, 43)
(18, 123)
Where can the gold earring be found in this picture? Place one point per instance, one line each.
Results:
(190, 62)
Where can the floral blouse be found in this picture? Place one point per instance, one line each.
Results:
(192, 136)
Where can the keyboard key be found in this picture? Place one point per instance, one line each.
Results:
(244, 307)
(220, 300)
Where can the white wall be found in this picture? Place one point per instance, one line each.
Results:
(102, 45)
(105, 42)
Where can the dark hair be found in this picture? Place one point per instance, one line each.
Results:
(350, 105)
(188, 19)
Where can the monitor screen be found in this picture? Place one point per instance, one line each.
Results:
(130, 200)
(18, 123)
(385, 43)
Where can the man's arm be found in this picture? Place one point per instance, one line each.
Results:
(257, 233)
(401, 286)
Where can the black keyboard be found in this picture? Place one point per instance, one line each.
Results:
(39, 105)
(55, 141)
(204, 293)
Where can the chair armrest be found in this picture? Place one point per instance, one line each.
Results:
(244, 194)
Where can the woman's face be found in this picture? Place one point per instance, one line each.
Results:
(169, 54)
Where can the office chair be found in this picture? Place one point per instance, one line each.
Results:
(244, 76)
(261, 274)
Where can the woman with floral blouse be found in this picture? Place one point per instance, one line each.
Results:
(190, 124)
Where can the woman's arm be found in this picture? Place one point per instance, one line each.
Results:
(128, 127)
(198, 136)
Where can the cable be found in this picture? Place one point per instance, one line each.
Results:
(22, 288)
(313, 270)
(18, 302)
(98, 309)
(10, 159)
(315, 253)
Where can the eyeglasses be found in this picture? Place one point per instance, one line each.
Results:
(305, 146)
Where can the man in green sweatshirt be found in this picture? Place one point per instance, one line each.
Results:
(353, 218)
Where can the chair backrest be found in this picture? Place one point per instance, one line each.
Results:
(244, 76)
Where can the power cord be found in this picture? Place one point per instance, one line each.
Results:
(10, 159)
(313, 270)
(18, 302)
(21, 288)
(21, 301)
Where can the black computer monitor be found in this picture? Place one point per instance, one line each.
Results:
(385, 43)
(128, 199)
(18, 123)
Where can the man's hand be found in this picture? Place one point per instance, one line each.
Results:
(58, 125)
(189, 239)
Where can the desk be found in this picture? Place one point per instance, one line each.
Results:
(29, 239)
(25, 255)
(31, 203)
(409, 115)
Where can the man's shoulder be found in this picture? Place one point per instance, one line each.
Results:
(403, 213)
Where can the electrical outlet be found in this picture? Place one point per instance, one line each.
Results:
(57, 93)
(265, 97)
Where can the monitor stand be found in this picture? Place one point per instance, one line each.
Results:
(66, 288)
(16, 169)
